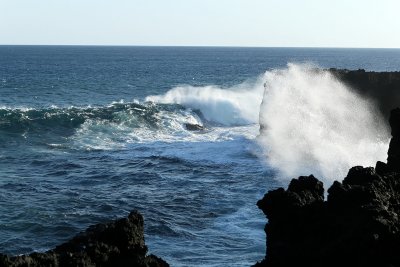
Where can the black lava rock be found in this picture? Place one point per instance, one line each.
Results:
(358, 224)
(118, 243)
(394, 147)
(193, 127)
(380, 87)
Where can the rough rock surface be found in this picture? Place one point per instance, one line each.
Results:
(358, 224)
(194, 127)
(394, 147)
(118, 243)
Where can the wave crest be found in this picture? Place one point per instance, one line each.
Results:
(238, 105)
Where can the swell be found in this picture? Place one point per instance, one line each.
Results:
(159, 118)
(66, 120)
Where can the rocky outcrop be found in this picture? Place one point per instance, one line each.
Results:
(193, 127)
(393, 160)
(381, 87)
(118, 243)
(358, 224)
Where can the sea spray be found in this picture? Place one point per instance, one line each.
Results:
(238, 105)
(311, 123)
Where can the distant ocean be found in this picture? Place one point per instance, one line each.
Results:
(88, 134)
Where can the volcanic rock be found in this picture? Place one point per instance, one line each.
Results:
(358, 224)
(118, 243)
(393, 161)
(193, 127)
(380, 87)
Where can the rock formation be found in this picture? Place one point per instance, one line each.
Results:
(118, 243)
(380, 87)
(193, 127)
(358, 224)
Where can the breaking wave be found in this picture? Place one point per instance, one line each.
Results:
(311, 123)
(238, 105)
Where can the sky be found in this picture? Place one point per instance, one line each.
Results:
(265, 23)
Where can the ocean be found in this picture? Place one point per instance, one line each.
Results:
(89, 133)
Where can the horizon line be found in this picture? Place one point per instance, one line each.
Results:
(202, 46)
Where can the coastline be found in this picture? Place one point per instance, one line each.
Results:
(301, 209)
(357, 225)
(117, 243)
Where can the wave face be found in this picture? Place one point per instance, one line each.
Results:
(312, 123)
(158, 118)
(96, 127)
(238, 105)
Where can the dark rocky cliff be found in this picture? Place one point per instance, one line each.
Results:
(358, 224)
(118, 243)
(381, 87)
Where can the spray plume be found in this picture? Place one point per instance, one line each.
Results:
(311, 123)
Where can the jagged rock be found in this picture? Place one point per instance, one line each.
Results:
(394, 147)
(193, 127)
(118, 243)
(358, 224)
(394, 122)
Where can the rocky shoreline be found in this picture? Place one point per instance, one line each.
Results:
(358, 224)
(117, 243)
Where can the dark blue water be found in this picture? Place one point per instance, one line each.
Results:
(89, 133)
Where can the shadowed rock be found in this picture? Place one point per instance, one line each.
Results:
(381, 87)
(193, 127)
(118, 243)
(393, 161)
(358, 224)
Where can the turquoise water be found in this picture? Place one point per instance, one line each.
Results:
(89, 133)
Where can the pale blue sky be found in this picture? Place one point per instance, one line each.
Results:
(293, 23)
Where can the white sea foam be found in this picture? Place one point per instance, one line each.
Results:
(314, 124)
(165, 125)
(238, 105)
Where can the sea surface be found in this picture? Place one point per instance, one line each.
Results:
(88, 134)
